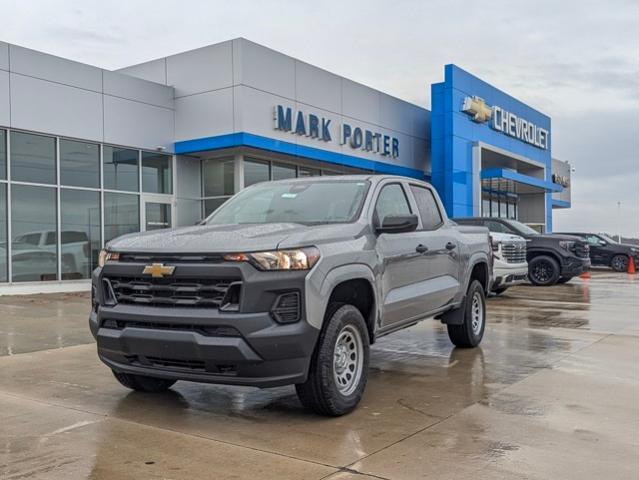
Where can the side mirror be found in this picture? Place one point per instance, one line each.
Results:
(398, 224)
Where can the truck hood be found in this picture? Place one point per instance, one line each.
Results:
(558, 237)
(232, 238)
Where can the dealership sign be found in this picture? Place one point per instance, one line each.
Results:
(309, 125)
(506, 122)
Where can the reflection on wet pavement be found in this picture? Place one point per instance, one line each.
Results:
(551, 393)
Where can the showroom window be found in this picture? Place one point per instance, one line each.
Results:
(4, 274)
(218, 182)
(3, 155)
(282, 172)
(33, 158)
(308, 172)
(34, 255)
(121, 169)
(255, 171)
(80, 241)
(79, 164)
(157, 173)
(121, 215)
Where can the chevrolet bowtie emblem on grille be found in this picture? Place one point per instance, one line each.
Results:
(476, 107)
(158, 270)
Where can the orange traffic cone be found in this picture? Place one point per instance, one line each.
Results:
(631, 266)
(585, 275)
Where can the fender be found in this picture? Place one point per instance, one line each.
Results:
(318, 294)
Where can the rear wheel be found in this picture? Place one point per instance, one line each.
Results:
(470, 333)
(339, 366)
(141, 383)
(619, 263)
(543, 271)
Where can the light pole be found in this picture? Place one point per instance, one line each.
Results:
(619, 222)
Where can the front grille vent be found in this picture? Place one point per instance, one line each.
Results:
(168, 258)
(177, 292)
(287, 308)
(210, 331)
(514, 252)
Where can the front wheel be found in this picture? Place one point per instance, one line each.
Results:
(141, 383)
(543, 271)
(339, 366)
(619, 263)
(470, 333)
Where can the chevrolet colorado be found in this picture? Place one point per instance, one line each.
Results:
(289, 282)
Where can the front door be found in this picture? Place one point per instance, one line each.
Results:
(403, 265)
(157, 213)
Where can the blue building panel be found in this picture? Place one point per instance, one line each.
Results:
(452, 152)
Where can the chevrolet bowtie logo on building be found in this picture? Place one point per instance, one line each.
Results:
(158, 270)
(506, 122)
(476, 107)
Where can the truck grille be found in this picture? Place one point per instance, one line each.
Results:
(176, 292)
(514, 252)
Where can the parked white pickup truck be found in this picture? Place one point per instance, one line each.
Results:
(509, 261)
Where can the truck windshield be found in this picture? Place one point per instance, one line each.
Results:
(307, 202)
(521, 228)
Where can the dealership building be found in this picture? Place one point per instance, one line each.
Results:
(88, 154)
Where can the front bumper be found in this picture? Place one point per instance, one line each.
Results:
(508, 274)
(574, 266)
(247, 347)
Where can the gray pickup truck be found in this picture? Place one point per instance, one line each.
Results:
(289, 282)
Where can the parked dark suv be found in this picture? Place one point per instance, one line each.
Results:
(551, 258)
(606, 252)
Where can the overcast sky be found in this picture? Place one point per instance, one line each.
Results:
(576, 61)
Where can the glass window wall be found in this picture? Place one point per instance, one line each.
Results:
(157, 173)
(282, 172)
(4, 271)
(255, 171)
(121, 215)
(34, 233)
(121, 169)
(79, 164)
(32, 158)
(80, 233)
(218, 177)
(3, 155)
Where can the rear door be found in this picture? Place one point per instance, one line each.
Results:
(402, 268)
(441, 261)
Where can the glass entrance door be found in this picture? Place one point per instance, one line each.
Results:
(157, 214)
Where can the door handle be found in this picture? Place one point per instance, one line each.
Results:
(450, 246)
(421, 248)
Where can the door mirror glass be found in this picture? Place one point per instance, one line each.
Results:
(398, 223)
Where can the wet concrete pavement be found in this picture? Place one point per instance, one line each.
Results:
(552, 393)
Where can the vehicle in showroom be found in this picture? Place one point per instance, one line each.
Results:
(604, 251)
(551, 258)
(509, 261)
(289, 282)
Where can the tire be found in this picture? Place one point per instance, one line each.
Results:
(619, 263)
(543, 271)
(339, 367)
(140, 383)
(470, 333)
(499, 291)
(564, 280)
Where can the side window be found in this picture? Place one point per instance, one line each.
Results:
(391, 201)
(427, 206)
(593, 240)
(496, 227)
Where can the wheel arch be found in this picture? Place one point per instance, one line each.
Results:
(353, 284)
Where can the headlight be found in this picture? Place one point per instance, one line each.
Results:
(566, 245)
(106, 256)
(633, 249)
(297, 259)
(494, 244)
